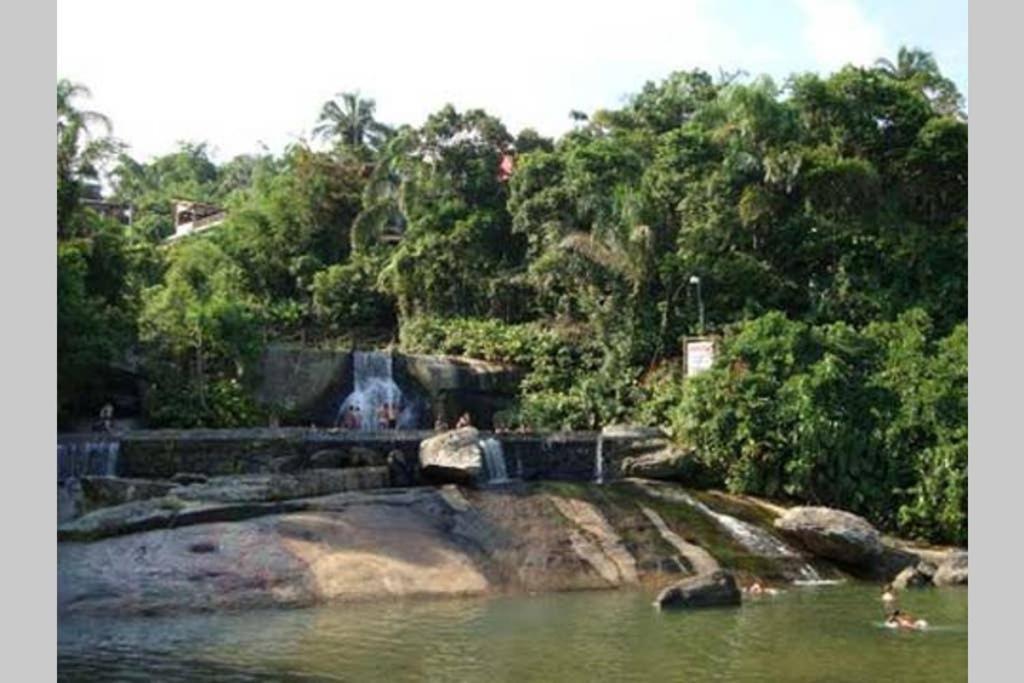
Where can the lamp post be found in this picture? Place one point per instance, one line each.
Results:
(695, 280)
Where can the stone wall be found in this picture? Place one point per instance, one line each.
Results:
(307, 385)
(157, 454)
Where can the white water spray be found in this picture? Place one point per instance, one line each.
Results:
(374, 386)
(494, 461)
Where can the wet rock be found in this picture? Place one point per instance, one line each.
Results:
(360, 456)
(669, 463)
(717, 589)
(289, 463)
(952, 571)
(186, 478)
(916, 576)
(271, 487)
(401, 469)
(327, 458)
(100, 492)
(454, 457)
(834, 535)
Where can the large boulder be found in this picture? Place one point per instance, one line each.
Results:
(717, 589)
(953, 571)
(99, 492)
(454, 457)
(835, 535)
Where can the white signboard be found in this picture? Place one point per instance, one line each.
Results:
(699, 356)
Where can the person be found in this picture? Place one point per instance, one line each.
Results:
(888, 594)
(899, 619)
(105, 423)
(440, 425)
(357, 418)
(393, 416)
(757, 588)
(349, 419)
(464, 421)
(383, 410)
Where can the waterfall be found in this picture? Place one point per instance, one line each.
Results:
(599, 459)
(749, 536)
(374, 386)
(87, 458)
(494, 461)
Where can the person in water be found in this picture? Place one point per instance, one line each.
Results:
(392, 416)
(888, 593)
(757, 588)
(383, 410)
(899, 619)
(464, 421)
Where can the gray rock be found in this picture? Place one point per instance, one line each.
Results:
(665, 463)
(401, 471)
(704, 590)
(953, 571)
(100, 492)
(186, 478)
(454, 457)
(834, 535)
(916, 576)
(360, 456)
(327, 458)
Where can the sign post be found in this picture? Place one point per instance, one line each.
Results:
(700, 355)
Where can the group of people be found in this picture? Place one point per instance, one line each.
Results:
(386, 415)
(441, 425)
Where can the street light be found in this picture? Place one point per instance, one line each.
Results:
(695, 280)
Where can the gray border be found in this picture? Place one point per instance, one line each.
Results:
(996, 469)
(29, 58)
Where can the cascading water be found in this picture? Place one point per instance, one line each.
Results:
(599, 460)
(87, 458)
(749, 536)
(494, 461)
(374, 386)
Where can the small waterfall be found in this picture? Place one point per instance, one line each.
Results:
(494, 461)
(599, 459)
(87, 458)
(374, 386)
(750, 537)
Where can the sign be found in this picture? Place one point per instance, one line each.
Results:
(699, 356)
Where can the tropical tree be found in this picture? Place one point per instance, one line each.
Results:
(349, 120)
(79, 150)
(919, 68)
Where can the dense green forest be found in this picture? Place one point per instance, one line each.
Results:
(826, 219)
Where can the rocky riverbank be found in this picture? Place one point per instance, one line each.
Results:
(302, 539)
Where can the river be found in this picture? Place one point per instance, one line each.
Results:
(805, 634)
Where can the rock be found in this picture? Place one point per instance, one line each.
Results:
(952, 571)
(401, 472)
(454, 457)
(186, 478)
(360, 456)
(705, 590)
(835, 535)
(271, 487)
(665, 463)
(916, 576)
(327, 458)
(100, 492)
(289, 463)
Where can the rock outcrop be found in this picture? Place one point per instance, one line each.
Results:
(834, 535)
(919, 575)
(455, 457)
(717, 589)
(952, 571)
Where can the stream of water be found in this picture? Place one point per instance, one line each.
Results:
(803, 635)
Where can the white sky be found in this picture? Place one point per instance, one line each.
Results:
(236, 73)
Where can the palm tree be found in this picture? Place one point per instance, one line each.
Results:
(79, 151)
(351, 122)
(919, 68)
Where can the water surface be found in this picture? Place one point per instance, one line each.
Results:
(806, 634)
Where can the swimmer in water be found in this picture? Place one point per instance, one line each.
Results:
(898, 619)
(757, 589)
(888, 593)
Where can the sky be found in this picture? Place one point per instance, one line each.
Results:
(244, 76)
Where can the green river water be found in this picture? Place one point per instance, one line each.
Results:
(828, 634)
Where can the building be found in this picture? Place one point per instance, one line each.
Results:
(194, 217)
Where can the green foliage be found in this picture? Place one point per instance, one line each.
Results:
(346, 296)
(872, 421)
